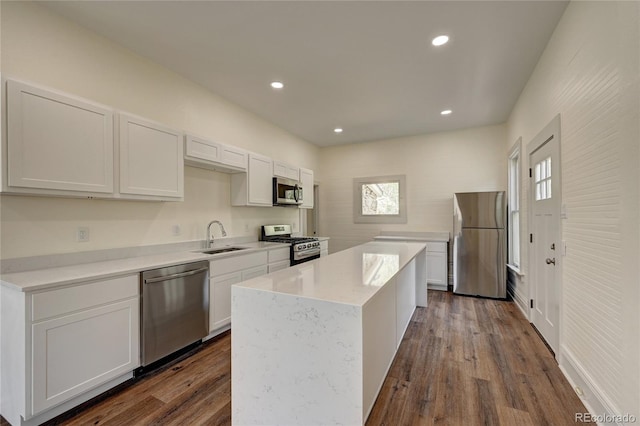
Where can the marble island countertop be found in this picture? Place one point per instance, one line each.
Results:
(71, 274)
(312, 344)
(350, 276)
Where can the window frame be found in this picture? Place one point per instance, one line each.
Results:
(401, 217)
(514, 204)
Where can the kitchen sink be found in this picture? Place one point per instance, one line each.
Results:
(222, 250)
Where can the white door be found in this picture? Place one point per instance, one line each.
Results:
(544, 227)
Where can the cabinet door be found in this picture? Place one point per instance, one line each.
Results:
(207, 154)
(202, 149)
(285, 170)
(260, 180)
(437, 268)
(306, 177)
(279, 254)
(220, 303)
(57, 142)
(233, 156)
(151, 159)
(76, 352)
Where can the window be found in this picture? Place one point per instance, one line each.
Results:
(543, 179)
(514, 204)
(379, 199)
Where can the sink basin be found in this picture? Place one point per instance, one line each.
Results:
(222, 250)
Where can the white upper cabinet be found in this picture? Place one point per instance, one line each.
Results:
(207, 154)
(281, 169)
(57, 144)
(151, 160)
(306, 177)
(253, 188)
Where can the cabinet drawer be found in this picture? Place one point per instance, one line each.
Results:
(70, 299)
(237, 263)
(283, 264)
(279, 254)
(437, 247)
(254, 272)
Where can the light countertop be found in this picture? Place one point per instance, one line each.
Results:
(54, 277)
(350, 276)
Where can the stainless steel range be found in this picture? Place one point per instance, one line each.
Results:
(302, 250)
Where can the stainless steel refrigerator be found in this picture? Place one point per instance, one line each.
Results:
(479, 244)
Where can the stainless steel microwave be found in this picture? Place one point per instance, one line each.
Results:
(286, 192)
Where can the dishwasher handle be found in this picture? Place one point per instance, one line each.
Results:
(174, 276)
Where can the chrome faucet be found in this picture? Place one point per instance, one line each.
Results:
(209, 236)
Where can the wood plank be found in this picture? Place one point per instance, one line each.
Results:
(462, 361)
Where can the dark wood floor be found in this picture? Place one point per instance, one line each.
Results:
(463, 361)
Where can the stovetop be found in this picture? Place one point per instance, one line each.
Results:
(290, 240)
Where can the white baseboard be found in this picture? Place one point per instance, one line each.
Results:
(592, 396)
(439, 287)
(520, 302)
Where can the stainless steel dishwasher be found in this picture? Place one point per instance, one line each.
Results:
(174, 309)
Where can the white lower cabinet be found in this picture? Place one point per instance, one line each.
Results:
(276, 266)
(76, 352)
(279, 259)
(66, 345)
(225, 273)
(437, 265)
(324, 248)
(220, 309)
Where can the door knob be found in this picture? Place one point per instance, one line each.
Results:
(550, 261)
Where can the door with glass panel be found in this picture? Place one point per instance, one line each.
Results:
(544, 227)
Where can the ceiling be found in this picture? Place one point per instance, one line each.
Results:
(366, 66)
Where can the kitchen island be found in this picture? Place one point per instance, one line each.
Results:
(312, 344)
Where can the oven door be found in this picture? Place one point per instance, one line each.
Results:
(301, 256)
(286, 192)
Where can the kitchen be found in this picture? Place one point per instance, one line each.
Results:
(600, 151)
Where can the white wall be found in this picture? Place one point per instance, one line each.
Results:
(43, 48)
(436, 166)
(589, 73)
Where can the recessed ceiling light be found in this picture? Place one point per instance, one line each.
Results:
(440, 40)
(277, 85)
(338, 130)
(446, 112)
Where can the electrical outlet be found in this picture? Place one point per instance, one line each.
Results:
(295, 226)
(175, 229)
(246, 227)
(82, 235)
